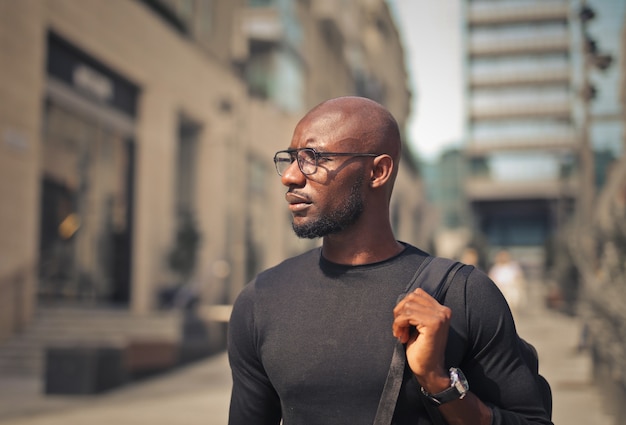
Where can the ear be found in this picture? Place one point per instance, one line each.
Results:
(382, 170)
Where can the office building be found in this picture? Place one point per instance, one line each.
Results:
(529, 118)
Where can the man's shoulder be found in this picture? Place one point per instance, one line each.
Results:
(274, 277)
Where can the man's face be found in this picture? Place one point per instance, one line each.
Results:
(331, 199)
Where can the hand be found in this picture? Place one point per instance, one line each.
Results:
(422, 324)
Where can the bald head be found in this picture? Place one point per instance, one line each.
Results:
(364, 120)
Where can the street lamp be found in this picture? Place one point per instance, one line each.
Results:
(593, 58)
(586, 14)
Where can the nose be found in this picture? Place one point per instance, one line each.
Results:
(293, 176)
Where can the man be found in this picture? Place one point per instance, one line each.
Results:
(508, 276)
(311, 340)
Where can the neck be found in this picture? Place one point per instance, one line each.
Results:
(364, 249)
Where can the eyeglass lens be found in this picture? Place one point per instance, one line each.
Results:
(307, 161)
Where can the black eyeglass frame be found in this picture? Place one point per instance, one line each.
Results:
(293, 153)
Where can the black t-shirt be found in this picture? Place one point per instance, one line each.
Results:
(310, 342)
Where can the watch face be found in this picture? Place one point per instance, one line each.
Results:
(459, 381)
(457, 390)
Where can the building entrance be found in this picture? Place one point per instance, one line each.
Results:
(86, 209)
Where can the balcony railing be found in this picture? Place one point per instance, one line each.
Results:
(504, 79)
(553, 109)
(495, 46)
(485, 189)
(565, 142)
(488, 13)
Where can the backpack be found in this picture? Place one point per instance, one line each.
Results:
(435, 275)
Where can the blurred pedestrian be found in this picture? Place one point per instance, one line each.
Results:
(509, 277)
(469, 256)
(311, 340)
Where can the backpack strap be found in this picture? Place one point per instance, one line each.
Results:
(434, 276)
(437, 277)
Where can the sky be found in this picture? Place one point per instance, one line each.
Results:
(430, 31)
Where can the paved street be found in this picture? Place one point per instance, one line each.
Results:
(556, 337)
(198, 394)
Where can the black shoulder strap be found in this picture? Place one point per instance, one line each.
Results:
(431, 277)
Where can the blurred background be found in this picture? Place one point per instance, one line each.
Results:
(136, 142)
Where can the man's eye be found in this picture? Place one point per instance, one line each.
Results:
(309, 159)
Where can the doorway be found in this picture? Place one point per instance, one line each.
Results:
(86, 209)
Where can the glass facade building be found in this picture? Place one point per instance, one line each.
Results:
(525, 115)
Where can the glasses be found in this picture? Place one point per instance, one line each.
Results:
(307, 159)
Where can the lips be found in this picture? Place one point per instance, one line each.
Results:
(297, 202)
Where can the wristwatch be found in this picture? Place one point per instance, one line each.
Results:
(458, 388)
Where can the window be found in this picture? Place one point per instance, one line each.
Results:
(85, 208)
(188, 133)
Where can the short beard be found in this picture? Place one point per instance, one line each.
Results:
(338, 220)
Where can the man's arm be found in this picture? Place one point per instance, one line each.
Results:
(425, 351)
(503, 379)
(253, 399)
(502, 388)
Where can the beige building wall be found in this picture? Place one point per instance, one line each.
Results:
(22, 58)
(325, 48)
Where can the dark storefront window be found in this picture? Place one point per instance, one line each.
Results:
(87, 160)
(85, 210)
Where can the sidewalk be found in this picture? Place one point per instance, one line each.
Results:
(576, 400)
(196, 394)
(199, 394)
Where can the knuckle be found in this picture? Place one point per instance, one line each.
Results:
(444, 313)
